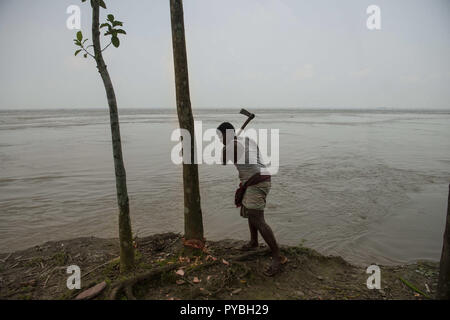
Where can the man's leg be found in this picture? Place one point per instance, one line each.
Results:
(253, 234)
(253, 243)
(256, 218)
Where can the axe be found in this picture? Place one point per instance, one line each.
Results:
(250, 117)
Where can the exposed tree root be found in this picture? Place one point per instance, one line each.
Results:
(249, 255)
(127, 285)
(129, 292)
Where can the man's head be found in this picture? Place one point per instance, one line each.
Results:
(222, 131)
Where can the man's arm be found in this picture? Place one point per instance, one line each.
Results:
(237, 153)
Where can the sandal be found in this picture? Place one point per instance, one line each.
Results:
(271, 271)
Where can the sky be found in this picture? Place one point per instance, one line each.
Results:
(252, 53)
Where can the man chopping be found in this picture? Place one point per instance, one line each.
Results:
(253, 190)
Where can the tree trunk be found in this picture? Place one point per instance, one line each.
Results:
(125, 236)
(444, 270)
(193, 223)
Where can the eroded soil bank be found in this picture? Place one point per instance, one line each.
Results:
(221, 272)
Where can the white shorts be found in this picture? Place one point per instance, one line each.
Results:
(255, 197)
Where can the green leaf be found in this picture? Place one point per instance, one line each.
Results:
(115, 41)
(85, 55)
(77, 52)
(110, 17)
(104, 25)
(102, 4)
(79, 36)
(413, 287)
(117, 23)
(121, 31)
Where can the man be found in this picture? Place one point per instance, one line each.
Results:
(251, 196)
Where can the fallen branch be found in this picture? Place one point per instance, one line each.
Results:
(51, 272)
(6, 259)
(98, 267)
(46, 280)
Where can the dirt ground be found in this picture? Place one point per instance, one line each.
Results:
(221, 272)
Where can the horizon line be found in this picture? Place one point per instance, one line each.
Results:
(234, 108)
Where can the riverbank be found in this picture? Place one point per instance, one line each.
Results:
(221, 272)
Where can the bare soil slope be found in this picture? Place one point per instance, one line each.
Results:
(221, 272)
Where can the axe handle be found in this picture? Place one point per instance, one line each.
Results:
(244, 125)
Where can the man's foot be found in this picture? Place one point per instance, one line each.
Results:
(275, 267)
(249, 246)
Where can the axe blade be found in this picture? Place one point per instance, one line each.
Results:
(246, 113)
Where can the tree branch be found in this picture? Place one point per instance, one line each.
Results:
(87, 52)
(106, 46)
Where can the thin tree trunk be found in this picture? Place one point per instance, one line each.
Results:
(444, 270)
(193, 223)
(125, 236)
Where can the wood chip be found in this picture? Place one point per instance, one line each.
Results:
(180, 272)
(46, 280)
(92, 292)
(4, 260)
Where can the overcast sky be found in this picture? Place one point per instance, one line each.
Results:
(253, 53)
